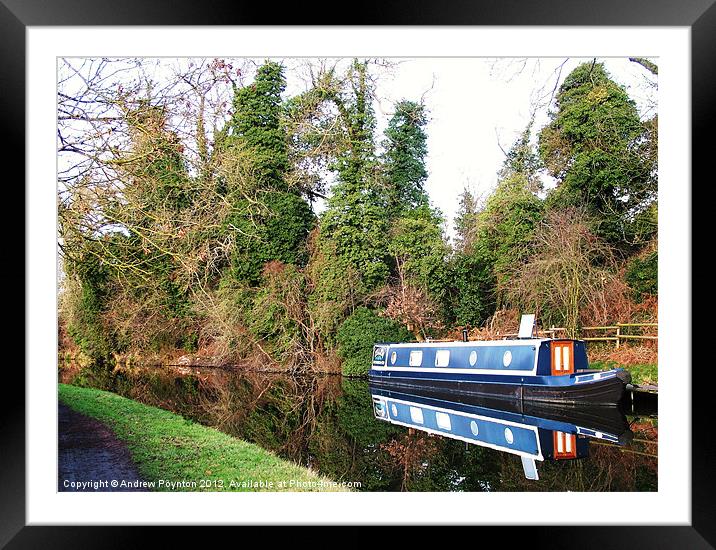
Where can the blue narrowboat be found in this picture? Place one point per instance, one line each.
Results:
(534, 435)
(525, 368)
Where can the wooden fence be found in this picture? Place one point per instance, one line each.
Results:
(612, 333)
(619, 333)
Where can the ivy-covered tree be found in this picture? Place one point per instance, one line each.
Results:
(272, 220)
(355, 218)
(404, 159)
(418, 282)
(596, 147)
(256, 120)
(140, 247)
(349, 252)
(506, 224)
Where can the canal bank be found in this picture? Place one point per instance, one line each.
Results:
(175, 454)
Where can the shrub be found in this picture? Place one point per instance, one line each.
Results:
(642, 276)
(357, 335)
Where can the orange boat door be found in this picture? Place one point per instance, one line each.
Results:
(562, 357)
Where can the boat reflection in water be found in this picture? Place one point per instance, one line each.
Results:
(532, 431)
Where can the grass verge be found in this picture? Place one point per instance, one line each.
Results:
(168, 447)
(640, 374)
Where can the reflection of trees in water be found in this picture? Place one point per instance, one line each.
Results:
(411, 454)
(278, 412)
(425, 462)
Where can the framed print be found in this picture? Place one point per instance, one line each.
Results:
(241, 283)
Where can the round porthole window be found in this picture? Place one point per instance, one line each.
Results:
(508, 436)
(394, 409)
(473, 358)
(393, 358)
(473, 428)
(507, 358)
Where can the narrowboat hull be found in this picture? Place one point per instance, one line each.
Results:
(531, 370)
(607, 390)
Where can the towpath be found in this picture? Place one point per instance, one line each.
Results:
(90, 457)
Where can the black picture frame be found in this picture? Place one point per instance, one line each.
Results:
(698, 15)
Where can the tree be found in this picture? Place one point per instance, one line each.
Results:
(349, 253)
(355, 218)
(505, 226)
(522, 160)
(569, 267)
(418, 284)
(273, 221)
(465, 220)
(496, 237)
(416, 245)
(404, 159)
(357, 335)
(595, 146)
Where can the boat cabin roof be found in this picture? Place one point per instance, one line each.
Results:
(472, 343)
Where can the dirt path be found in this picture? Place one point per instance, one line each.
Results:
(90, 457)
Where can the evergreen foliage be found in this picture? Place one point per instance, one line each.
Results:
(271, 219)
(404, 159)
(87, 291)
(595, 145)
(358, 333)
(355, 220)
(496, 237)
(642, 275)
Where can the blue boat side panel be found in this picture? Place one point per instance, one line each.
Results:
(566, 380)
(544, 360)
(580, 355)
(488, 357)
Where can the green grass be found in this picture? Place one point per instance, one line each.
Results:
(640, 374)
(166, 446)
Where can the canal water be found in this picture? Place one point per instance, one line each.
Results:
(343, 428)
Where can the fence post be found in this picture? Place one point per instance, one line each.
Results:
(618, 334)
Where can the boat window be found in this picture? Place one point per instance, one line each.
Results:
(473, 358)
(393, 358)
(443, 421)
(473, 428)
(508, 436)
(416, 415)
(507, 358)
(416, 358)
(442, 358)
